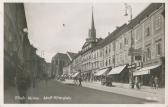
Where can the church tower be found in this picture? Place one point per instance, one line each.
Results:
(92, 31)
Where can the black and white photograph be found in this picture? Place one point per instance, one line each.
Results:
(84, 53)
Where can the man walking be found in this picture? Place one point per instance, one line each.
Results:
(137, 82)
(80, 81)
(152, 82)
(156, 82)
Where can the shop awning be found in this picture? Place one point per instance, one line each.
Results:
(101, 72)
(116, 70)
(145, 70)
(75, 75)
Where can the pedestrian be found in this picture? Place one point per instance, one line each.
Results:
(137, 82)
(152, 82)
(156, 82)
(75, 80)
(132, 83)
(109, 81)
(80, 81)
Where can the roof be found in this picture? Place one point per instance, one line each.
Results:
(85, 44)
(145, 13)
(125, 27)
(72, 55)
(112, 35)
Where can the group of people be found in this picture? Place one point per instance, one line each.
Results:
(78, 81)
(154, 82)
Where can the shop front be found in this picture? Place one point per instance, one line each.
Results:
(146, 74)
(120, 74)
(101, 74)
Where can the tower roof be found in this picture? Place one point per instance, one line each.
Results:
(92, 26)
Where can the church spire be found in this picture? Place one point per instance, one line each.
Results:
(92, 26)
(92, 31)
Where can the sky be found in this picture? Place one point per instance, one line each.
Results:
(62, 27)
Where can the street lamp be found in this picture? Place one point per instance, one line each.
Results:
(129, 8)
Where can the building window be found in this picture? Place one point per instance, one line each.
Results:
(147, 31)
(106, 50)
(139, 33)
(121, 60)
(120, 45)
(133, 39)
(158, 49)
(106, 62)
(157, 22)
(56, 62)
(109, 62)
(97, 54)
(143, 58)
(125, 41)
(138, 57)
(148, 53)
(100, 53)
(113, 46)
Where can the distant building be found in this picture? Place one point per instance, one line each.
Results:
(58, 62)
(48, 69)
(67, 69)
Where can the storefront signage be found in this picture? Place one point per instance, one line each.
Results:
(132, 66)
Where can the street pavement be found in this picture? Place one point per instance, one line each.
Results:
(156, 95)
(55, 92)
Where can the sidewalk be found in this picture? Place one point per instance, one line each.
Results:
(145, 92)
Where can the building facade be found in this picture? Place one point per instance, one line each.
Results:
(145, 31)
(58, 62)
(67, 69)
(19, 54)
